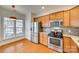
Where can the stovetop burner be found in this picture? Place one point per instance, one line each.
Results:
(55, 34)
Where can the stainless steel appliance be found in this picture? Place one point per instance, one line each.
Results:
(55, 37)
(55, 40)
(34, 32)
(36, 27)
(56, 23)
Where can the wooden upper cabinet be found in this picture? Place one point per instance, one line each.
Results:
(59, 15)
(46, 20)
(42, 20)
(74, 17)
(52, 16)
(66, 18)
(35, 20)
(67, 47)
(39, 19)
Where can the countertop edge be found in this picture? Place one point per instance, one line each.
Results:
(74, 38)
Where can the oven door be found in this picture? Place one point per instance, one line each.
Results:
(55, 43)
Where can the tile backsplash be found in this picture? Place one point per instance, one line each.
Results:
(71, 31)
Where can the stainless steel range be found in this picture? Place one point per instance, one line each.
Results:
(55, 37)
(55, 40)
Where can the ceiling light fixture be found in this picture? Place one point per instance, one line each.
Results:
(42, 7)
(13, 7)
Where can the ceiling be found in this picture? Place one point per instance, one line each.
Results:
(36, 9)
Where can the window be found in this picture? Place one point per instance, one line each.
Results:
(19, 28)
(8, 26)
(12, 28)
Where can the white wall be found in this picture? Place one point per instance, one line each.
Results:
(28, 25)
(28, 22)
(0, 28)
(9, 13)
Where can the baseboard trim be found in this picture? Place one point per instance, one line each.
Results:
(10, 41)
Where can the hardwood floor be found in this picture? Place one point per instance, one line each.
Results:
(25, 46)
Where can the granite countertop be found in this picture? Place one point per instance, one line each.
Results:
(74, 38)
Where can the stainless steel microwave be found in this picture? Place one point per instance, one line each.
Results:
(56, 23)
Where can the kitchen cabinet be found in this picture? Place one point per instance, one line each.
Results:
(35, 20)
(70, 46)
(59, 15)
(66, 18)
(67, 41)
(39, 19)
(43, 38)
(70, 17)
(44, 20)
(74, 48)
(52, 16)
(74, 17)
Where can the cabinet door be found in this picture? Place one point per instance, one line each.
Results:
(67, 44)
(74, 16)
(74, 48)
(46, 20)
(59, 15)
(42, 20)
(39, 19)
(52, 16)
(66, 18)
(45, 39)
(41, 37)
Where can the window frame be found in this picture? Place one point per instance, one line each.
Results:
(22, 29)
(15, 35)
(4, 28)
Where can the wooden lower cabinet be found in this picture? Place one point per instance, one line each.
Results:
(74, 48)
(67, 44)
(43, 38)
(70, 46)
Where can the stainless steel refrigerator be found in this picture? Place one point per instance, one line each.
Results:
(35, 32)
